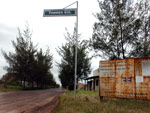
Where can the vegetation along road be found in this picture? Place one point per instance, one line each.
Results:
(39, 101)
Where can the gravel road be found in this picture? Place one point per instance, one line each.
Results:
(38, 101)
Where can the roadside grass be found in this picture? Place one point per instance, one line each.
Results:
(88, 102)
(19, 88)
(11, 89)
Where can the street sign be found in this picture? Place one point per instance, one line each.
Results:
(59, 12)
(67, 12)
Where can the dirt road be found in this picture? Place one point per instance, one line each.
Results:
(39, 101)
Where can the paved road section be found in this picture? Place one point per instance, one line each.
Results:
(38, 101)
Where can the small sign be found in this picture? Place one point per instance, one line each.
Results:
(146, 67)
(59, 12)
(139, 79)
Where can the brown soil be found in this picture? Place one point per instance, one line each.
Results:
(40, 101)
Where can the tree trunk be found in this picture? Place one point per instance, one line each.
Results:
(37, 84)
(24, 80)
(101, 98)
(118, 51)
(32, 84)
(122, 41)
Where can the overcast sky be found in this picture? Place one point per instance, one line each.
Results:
(47, 31)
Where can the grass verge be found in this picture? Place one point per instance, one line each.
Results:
(88, 102)
(19, 88)
(11, 89)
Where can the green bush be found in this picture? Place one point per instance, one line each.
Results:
(14, 83)
(0, 81)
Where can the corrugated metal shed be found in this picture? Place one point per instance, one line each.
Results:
(127, 78)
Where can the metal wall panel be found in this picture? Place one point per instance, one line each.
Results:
(142, 73)
(107, 78)
(127, 78)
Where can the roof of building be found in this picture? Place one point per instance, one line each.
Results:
(91, 77)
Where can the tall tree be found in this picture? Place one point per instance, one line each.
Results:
(42, 68)
(141, 46)
(28, 64)
(113, 33)
(21, 62)
(66, 67)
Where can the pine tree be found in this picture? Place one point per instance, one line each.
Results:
(42, 68)
(66, 67)
(113, 34)
(21, 62)
(141, 46)
(29, 64)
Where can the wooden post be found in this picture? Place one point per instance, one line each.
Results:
(101, 97)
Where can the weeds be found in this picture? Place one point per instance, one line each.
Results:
(88, 102)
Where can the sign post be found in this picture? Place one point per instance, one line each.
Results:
(75, 74)
(67, 12)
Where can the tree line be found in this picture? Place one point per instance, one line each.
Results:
(28, 64)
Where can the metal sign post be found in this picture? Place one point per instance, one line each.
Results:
(67, 12)
(75, 74)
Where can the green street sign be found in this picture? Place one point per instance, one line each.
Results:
(59, 12)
